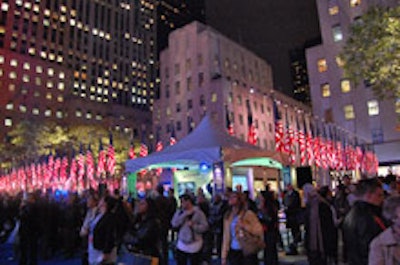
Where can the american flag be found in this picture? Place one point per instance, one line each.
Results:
(159, 144)
(131, 153)
(50, 166)
(279, 132)
(323, 148)
(90, 168)
(81, 168)
(56, 171)
(111, 157)
(289, 140)
(101, 160)
(72, 173)
(301, 136)
(359, 154)
(172, 138)
(144, 150)
(34, 175)
(63, 170)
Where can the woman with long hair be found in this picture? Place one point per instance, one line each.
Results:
(237, 221)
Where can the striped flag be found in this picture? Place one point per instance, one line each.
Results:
(159, 144)
(111, 157)
(101, 161)
(144, 150)
(279, 132)
(229, 123)
(301, 136)
(131, 153)
(63, 170)
(81, 168)
(172, 138)
(90, 168)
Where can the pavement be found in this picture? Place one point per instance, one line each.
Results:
(7, 258)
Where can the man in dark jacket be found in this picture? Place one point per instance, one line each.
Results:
(364, 221)
(29, 231)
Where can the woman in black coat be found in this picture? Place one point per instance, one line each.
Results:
(102, 247)
(145, 230)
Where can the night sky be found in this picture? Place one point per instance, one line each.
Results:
(269, 28)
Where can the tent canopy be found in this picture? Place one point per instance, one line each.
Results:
(205, 144)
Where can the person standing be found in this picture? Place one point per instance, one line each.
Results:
(191, 222)
(91, 213)
(385, 248)
(29, 231)
(146, 230)
(364, 221)
(292, 204)
(237, 219)
(102, 240)
(268, 215)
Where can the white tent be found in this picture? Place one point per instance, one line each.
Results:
(207, 144)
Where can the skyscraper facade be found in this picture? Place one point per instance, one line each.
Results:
(336, 99)
(74, 61)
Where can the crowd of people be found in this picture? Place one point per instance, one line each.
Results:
(357, 223)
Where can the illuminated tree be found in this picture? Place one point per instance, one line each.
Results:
(372, 52)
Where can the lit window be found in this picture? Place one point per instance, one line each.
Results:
(59, 114)
(49, 96)
(50, 72)
(10, 106)
(1, 72)
(349, 112)
(1, 59)
(11, 87)
(14, 63)
(333, 10)
(4, 7)
(12, 75)
(25, 78)
(339, 61)
(39, 69)
(27, 66)
(22, 108)
(322, 65)
(325, 90)
(337, 33)
(60, 99)
(47, 113)
(61, 75)
(345, 85)
(61, 86)
(214, 97)
(49, 84)
(88, 115)
(35, 111)
(38, 81)
(98, 117)
(8, 122)
(354, 3)
(373, 107)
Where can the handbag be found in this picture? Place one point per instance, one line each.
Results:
(250, 243)
(131, 258)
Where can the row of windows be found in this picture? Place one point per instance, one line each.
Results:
(51, 72)
(333, 6)
(372, 105)
(345, 87)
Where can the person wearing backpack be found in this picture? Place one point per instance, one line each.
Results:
(192, 223)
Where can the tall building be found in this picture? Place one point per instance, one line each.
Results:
(74, 61)
(336, 99)
(299, 74)
(202, 72)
